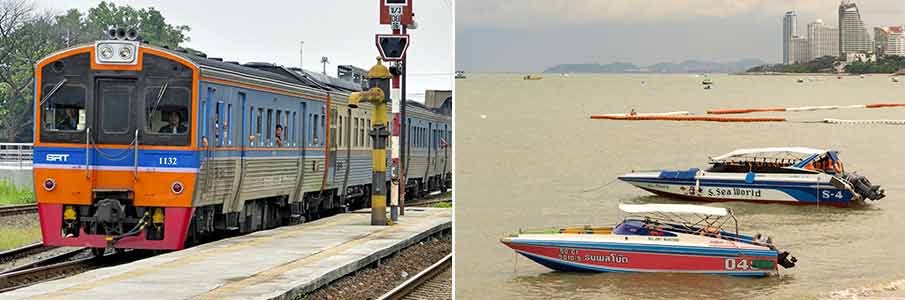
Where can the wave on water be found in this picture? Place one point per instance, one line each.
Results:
(889, 290)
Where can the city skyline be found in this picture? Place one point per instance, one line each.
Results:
(851, 40)
(518, 36)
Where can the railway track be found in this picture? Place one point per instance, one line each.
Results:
(433, 289)
(17, 253)
(13, 210)
(53, 268)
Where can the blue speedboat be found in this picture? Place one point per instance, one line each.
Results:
(791, 175)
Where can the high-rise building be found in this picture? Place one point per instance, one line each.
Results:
(799, 50)
(889, 40)
(895, 42)
(853, 36)
(822, 40)
(789, 31)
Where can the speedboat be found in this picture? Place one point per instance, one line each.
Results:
(679, 238)
(791, 175)
(460, 75)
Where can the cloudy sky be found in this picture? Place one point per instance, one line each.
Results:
(531, 35)
(270, 31)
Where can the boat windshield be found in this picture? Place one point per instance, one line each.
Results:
(638, 227)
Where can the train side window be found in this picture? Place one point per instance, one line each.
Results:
(65, 109)
(339, 127)
(316, 129)
(218, 113)
(295, 129)
(258, 120)
(333, 117)
(269, 137)
(226, 122)
(355, 133)
(279, 122)
(369, 128)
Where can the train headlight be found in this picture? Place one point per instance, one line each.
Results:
(106, 52)
(125, 53)
(49, 184)
(116, 52)
(177, 187)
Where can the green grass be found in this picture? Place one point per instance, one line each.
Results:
(447, 204)
(11, 194)
(14, 236)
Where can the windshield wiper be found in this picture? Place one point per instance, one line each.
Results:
(159, 96)
(54, 90)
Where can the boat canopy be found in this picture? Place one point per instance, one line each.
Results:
(674, 208)
(784, 157)
(791, 152)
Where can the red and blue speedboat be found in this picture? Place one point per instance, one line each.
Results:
(655, 238)
(792, 175)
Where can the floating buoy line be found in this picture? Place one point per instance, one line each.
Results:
(640, 117)
(801, 108)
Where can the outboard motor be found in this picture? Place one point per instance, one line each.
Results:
(786, 260)
(863, 187)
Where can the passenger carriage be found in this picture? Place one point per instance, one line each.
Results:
(139, 146)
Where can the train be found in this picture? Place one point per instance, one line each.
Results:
(139, 146)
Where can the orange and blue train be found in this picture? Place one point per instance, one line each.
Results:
(145, 147)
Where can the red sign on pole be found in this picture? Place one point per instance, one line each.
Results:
(396, 11)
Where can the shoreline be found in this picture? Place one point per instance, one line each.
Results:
(810, 74)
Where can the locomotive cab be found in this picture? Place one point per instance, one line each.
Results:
(114, 145)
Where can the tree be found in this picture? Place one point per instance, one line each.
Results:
(26, 36)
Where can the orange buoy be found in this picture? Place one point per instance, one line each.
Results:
(743, 110)
(686, 118)
(878, 105)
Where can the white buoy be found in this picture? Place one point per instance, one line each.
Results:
(483, 116)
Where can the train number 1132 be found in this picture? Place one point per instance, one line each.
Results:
(168, 161)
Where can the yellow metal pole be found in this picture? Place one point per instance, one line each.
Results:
(379, 81)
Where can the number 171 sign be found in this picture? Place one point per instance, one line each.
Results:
(395, 12)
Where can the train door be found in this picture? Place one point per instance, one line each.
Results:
(301, 138)
(331, 176)
(116, 102)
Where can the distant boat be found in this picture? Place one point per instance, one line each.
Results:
(460, 75)
(894, 79)
(564, 74)
(532, 77)
(799, 80)
(707, 81)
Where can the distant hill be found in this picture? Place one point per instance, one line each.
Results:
(688, 66)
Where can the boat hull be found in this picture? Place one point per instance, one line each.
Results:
(609, 257)
(808, 189)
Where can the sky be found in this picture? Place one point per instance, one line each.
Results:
(271, 31)
(532, 35)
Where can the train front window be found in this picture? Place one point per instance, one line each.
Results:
(167, 109)
(115, 102)
(65, 109)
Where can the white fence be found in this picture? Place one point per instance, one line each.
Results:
(16, 154)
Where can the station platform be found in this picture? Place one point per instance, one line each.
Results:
(273, 264)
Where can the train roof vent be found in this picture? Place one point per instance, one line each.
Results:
(256, 64)
(232, 62)
(215, 58)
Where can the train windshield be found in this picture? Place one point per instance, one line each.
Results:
(65, 109)
(167, 109)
